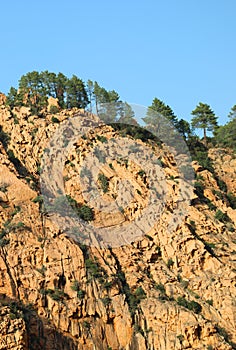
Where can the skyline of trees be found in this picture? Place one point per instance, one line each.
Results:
(35, 88)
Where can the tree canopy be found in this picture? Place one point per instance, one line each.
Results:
(225, 135)
(183, 128)
(204, 118)
(159, 109)
(232, 113)
(35, 88)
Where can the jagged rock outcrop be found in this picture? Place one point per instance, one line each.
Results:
(169, 289)
(13, 331)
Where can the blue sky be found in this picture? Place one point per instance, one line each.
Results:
(181, 51)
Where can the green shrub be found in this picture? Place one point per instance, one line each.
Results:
(104, 182)
(83, 211)
(4, 138)
(222, 217)
(141, 173)
(16, 210)
(160, 287)
(232, 199)
(218, 194)
(101, 138)
(191, 305)
(107, 285)
(16, 121)
(222, 185)
(231, 228)
(38, 199)
(93, 268)
(211, 206)
(199, 189)
(86, 213)
(210, 245)
(199, 152)
(170, 263)
(86, 325)
(106, 301)
(223, 333)
(3, 188)
(180, 337)
(55, 120)
(81, 294)
(76, 287)
(42, 270)
(4, 242)
(140, 293)
(56, 294)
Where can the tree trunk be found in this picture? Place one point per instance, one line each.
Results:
(205, 137)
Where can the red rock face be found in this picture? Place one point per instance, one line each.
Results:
(167, 290)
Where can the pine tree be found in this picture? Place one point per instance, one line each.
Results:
(90, 93)
(76, 95)
(61, 82)
(127, 115)
(13, 98)
(48, 80)
(183, 128)
(159, 109)
(160, 120)
(107, 103)
(32, 91)
(204, 118)
(232, 113)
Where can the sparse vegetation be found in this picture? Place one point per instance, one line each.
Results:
(170, 263)
(86, 213)
(140, 293)
(76, 287)
(106, 301)
(101, 138)
(94, 270)
(160, 287)
(191, 305)
(4, 187)
(141, 173)
(180, 337)
(42, 270)
(222, 217)
(86, 325)
(104, 182)
(74, 93)
(232, 199)
(55, 120)
(56, 294)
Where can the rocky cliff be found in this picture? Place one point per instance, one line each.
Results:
(168, 289)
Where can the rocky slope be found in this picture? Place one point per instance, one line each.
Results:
(169, 289)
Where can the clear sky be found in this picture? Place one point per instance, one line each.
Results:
(181, 51)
